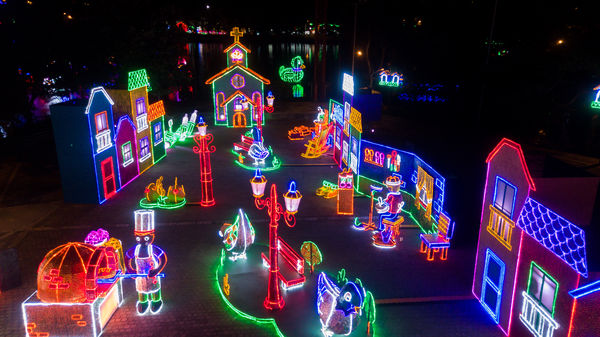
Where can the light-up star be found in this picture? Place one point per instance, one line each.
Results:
(236, 33)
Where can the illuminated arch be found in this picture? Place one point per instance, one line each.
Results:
(220, 113)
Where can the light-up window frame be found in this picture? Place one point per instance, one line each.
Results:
(238, 81)
(546, 279)
(101, 121)
(140, 106)
(500, 189)
(157, 130)
(144, 149)
(497, 288)
(127, 152)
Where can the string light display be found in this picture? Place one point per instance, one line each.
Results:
(204, 149)
(70, 299)
(237, 237)
(274, 301)
(148, 260)
(387, 79)
(340, 308)
(157, 197)
(345, 193)
(539, 267)
(138, 79)
(238, 91)
(295, 73)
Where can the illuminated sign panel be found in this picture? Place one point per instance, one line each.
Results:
(348, 84)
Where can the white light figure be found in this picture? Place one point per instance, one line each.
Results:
(257, 150)
(185, 119)
(238, 237)
(194, 117)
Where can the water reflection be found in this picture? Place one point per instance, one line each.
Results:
(207, 59)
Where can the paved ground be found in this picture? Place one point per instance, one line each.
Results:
(37, 222)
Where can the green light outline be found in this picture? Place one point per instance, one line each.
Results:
(254, 319)
(162, 204)
(543, 281)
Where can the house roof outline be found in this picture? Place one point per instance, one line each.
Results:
(237, 65)
(555, 233)
(93, 92)
(239, 45)
(234, 95)
(122, 119)
(517, 147)
(156, 110)
(585, 290)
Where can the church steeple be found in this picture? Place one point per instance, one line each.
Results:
(237, 53)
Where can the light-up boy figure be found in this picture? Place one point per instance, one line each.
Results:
(390, 208)
(147, 261)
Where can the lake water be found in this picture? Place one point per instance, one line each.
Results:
(207, 59)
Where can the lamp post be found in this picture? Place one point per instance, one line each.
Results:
(203, 140)
(274, 301)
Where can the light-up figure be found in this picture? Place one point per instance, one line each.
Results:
(147, 261)
(257, 150)
(389, 209)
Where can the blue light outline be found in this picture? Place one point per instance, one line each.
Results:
(495, 315)
(512, 212)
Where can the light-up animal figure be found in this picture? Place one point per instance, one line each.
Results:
(339, 309)
(238, 237)
(295, 73)
(257, 150)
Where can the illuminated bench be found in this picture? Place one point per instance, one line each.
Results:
(295, 276)
(431, 243)
(244, 144)
(72, 319)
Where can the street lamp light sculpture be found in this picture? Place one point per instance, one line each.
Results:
(274, 301)
(204, 149)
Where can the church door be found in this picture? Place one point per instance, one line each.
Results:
(239, 120)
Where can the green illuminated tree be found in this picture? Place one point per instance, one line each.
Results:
(311, 254)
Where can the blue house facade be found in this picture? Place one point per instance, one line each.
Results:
(84, 135)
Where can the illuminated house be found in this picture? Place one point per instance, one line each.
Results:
(127, 150)
(84, 133)
(156, 113)
(106, 142)
(134, 103)
(238, 91)
(531, 270)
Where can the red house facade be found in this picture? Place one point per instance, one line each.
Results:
(531, 261)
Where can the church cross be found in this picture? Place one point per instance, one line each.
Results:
(236, 33)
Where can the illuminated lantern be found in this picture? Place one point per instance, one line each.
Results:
(259, 183)
(292, 199)
(270, 99)
(202, 127)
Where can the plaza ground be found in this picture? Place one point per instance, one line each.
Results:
(415, 297)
